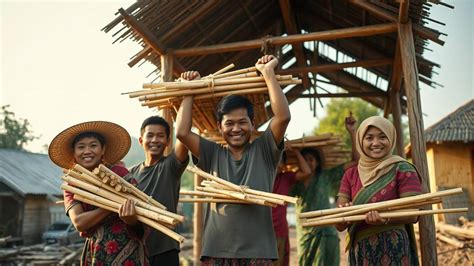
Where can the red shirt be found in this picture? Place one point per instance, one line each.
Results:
(282, 186)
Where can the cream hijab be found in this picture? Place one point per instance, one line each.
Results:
(371, 169)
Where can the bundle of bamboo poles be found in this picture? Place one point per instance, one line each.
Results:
(403, 207)
(219, 84)
(105, 189)
(217, 190)
(329, 144)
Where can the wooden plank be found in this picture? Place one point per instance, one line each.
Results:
(290, 39)
(417, 138)
(381, 13)
(336, 67)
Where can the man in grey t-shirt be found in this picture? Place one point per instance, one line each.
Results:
(159, 176)
(239, 233)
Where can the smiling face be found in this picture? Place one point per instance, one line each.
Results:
(236, 128)
(154, 140)
(375, 143)
(88, 152)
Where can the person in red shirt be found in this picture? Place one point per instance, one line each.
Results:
(284, 181)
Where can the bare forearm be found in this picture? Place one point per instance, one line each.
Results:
(278, 101)
(184, 117)
(86, 220)
(304, 169)
(354, 153)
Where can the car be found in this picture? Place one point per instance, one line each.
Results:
(62, 232)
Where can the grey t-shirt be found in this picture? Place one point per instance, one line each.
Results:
(240, 230)
(162, 181)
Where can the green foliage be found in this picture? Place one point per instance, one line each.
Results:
(187, 181)
(14, 133)
(337, 110)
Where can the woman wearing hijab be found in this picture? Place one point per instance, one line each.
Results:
(379, 176)
(111, 239)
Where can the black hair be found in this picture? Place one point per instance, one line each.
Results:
(316, 153)
(88, 134)
(155, 120)
(232, 102)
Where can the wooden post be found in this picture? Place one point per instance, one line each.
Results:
(418, 144)
(167, 75)
(396, 107)
(197, 224)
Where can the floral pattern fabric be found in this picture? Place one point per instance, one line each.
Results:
(386, 248)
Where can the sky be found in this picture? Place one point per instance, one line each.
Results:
(58, 68)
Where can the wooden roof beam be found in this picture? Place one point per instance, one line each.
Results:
(343, 95)
(149, 39)
(290, 39)
(291, 28)
(379, 12)
(336, 67)
(403, 10)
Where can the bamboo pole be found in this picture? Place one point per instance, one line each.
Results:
(135, 191)
(200, 97)
(383, 215)
(212, 200)
(235, 187)
(119, 199)
(204, 83)
(141, 203)
(165, 230)
(364, 208)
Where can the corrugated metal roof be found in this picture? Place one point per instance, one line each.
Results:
(457, 126)
(29, 173)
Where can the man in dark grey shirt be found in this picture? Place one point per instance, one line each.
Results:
(239, 234)
(159, 176)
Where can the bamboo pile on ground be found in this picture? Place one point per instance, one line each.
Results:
(105, 189)
(403, 207)
(218, 84)
(218, 190)
(455, 243)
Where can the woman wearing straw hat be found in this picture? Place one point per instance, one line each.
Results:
(379, 176)
(111, 239)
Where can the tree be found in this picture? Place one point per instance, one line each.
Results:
(14, 133)
(337, 110)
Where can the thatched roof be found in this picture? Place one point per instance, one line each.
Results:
(350, 44)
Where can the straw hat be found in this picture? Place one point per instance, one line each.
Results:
(117, 141)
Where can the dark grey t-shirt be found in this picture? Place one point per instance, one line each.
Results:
(162, 181)
(240, 230)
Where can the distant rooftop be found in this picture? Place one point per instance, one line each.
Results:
(457, 126)
(29, 173)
